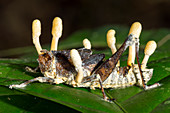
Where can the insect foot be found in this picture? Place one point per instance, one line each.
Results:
(82, 68)
(29, 69)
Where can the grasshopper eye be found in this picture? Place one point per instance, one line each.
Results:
(45, 61)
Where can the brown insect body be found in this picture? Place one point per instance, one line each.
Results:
(81, 68)
(58, 66)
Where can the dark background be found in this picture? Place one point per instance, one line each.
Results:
(17, 16)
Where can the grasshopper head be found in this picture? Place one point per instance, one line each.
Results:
(46, 61)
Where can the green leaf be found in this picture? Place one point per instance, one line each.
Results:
(164, 107)
(64, 97)
(146, 101)
(80, 100)
(15, 101)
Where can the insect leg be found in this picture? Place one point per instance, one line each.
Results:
(152, 86)
(137, 58)
(103, 92)
(29, 69)
(40, 79)
(107, 67)
(149, 49)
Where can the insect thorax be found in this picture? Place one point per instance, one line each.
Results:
(58, 64)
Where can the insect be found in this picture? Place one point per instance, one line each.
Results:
(81, 68)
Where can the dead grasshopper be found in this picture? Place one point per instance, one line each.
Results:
(81, 68)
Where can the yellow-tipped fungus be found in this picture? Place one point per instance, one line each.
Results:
(36, 32)
(56, 32)
(135, 30)
(77, 62)
(87, 44)
(149, 50)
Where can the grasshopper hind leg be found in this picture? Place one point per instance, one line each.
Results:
(141, 73)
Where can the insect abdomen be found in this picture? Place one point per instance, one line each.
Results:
(119, 79)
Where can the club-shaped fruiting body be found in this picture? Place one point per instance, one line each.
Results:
(56, 32)
(81, 68)
(149, 50)
(111, 40)
(135, 30)
(36, 32)
(87, 44)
